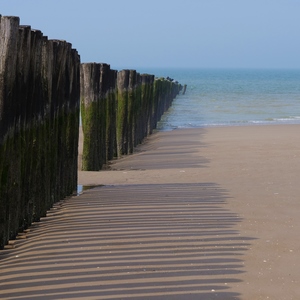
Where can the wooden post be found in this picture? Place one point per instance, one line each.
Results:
(39, 117)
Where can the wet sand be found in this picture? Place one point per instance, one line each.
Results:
(193, 214)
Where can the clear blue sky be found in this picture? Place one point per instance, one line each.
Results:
(170, 33)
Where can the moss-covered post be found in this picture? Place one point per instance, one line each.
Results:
(132, 110)
(137, 110)
(10, 159)
(103, 111)
(150, 110)
(68, 64)
(22, 94)
(50, 150)
(39, 117)
(35, 135)
(97, 112)
(122, 112)
(157, 91)
(73, 118)
(111, 148)
(89, 82)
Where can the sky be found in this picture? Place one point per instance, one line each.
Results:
(170, 33)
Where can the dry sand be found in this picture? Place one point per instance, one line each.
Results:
(194, 214)
(258, 166)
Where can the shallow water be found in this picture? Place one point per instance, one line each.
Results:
(81, 188)
(232, 97)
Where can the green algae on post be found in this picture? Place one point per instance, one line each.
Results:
(119, 109)
(39, 117)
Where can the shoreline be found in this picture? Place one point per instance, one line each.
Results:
(227, 125)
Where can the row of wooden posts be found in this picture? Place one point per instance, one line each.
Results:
(119, 109)
(41, 84)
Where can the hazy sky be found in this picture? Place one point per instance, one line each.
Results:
(170, 33)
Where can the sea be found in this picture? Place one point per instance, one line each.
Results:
(232, 97)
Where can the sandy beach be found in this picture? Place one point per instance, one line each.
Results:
(258, 166)
(209, 213)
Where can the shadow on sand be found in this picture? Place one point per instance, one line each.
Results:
(168, 241)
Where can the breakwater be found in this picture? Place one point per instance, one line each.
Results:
(119, 109)
(43, 86)
(39, 121)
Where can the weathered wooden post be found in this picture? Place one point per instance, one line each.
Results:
(104, 88)
(97, 111)
(10, 166)
(122, 112)
(157, 90)
(132, 110)
(111, 147)
(74, 118)
(150, 109)
(39, 120)
(89, 82)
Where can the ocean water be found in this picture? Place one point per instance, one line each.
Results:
(232, 98)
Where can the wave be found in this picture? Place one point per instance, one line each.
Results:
(234, 98)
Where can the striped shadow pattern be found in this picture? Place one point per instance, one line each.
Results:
(168, 241)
